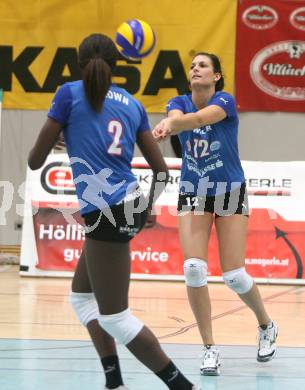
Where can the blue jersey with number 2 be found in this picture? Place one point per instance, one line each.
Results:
(100, 145)
(211, 163)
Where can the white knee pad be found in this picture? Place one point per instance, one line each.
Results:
(196, 272)
(238, 280)
(85, 307)
(123, 326)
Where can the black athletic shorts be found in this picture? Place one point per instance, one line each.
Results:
(230, 203)
(116, 223)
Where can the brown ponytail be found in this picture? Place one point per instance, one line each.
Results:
(97, 59)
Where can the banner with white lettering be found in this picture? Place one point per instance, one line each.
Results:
(53, 235)
(39, 41)
(270, 55)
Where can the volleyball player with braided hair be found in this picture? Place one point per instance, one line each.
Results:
(101, 123)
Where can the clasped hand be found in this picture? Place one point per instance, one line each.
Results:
(162, 130)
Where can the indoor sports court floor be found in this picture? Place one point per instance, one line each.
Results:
(42, 346)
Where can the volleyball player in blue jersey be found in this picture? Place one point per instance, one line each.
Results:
(212, 189)
(101, 124)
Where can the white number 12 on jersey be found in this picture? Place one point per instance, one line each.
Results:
(200, 148)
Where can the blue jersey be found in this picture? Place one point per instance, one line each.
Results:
(210, 158)
(100, 145)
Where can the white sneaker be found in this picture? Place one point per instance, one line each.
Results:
(266, 342)
(211, 361)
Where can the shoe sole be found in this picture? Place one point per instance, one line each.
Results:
(266, 359)
(211, 372)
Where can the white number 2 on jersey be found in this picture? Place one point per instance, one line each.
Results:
(115, 127)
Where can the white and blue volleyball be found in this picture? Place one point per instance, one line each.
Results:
(135, 39)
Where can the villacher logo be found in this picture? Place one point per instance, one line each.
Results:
(260, 17)
(297, 18)
(279, 70)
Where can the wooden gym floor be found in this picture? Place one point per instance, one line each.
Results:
(43, 345)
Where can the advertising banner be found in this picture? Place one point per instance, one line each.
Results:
(53, 235)
(39, 41)
(270, 55)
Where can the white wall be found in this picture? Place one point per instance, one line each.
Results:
(262, 136)
(272, 136)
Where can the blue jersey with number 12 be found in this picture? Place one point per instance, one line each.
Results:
(100, 145)
(211, 163)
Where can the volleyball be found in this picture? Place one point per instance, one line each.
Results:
(135, 39)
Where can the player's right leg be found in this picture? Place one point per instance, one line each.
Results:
(194, 231)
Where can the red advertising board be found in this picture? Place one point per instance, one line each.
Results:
(275, 247)
(270, 55)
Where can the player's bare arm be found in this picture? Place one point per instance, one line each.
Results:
(47, 138)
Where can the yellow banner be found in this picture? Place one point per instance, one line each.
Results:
(39, 38)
